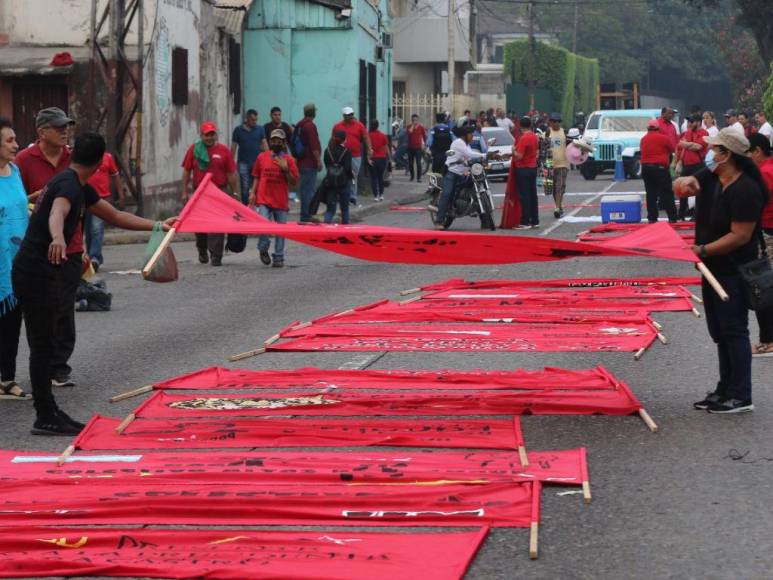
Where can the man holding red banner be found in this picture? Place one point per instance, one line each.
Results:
(207, 155)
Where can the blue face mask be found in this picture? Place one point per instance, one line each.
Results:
(710, 161)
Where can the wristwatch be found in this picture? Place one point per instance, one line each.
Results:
(702, 251)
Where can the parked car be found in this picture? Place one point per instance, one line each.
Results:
(503, 144)
(613, 133)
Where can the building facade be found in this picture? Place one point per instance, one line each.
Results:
(333, 53)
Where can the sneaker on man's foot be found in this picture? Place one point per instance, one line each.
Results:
(556, 213)
(203, 256)
(278, 264)
(265, 258)
(53, 426)
(62, 382)
(70, 420)
(711, 398)
(731, 406)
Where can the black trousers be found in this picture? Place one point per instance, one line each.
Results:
(64, 328)
(39, 297)
(526, 180)
(439, 162)
(10, 328)
(687, 170)
(414, 157)
(657, 184)
(214, 243)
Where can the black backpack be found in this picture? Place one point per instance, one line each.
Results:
(441, 139)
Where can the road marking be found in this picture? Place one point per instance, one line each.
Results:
(361, 362)
(574, 212)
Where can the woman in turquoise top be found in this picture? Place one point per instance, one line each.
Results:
(13, 223)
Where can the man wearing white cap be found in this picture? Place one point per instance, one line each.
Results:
(356, 134)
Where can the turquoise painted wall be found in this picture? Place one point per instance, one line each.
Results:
(296, 52)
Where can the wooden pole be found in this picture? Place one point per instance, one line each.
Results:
(160, 250)
(534, 541)
(662, 338)
(586, 492)
(696, 298)
(248, 354)
(414, 299)
(645, 416)
(657, 325)
(639, 353)
(411, 291)
(130, 394)
(271, 340)
(713, 282)
(696, 313)
(302, 325)
(125, 423)
(65, 454)
(522, 454)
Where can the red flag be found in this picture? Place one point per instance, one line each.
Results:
(124, 501)
(576, 283)
(548, 378)
(563, 294)
(237, 554)
(553, 302)
(296, 468)
(619, 401)
(212, 211)
(100, 433)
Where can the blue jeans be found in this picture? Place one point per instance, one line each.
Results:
(343, 202)
(95, 236)
(728, 324)
(308, 186)
(352, 188)
(245, 180)
(280, 217)
(450, 182)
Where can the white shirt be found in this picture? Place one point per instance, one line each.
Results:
(505, 123)
(462, 152)
(738, 127)
(712, 131)
(767, 130)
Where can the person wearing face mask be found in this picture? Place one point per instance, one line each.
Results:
(730, 196)
(275, 171)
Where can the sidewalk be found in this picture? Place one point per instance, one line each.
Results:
(401, 192)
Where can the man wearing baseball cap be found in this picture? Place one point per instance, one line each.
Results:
(656, 149)
(730, 198)
(356, 134)
(205, 156)
(731, 118)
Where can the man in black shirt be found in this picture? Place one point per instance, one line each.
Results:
(730, 198)
(40, 266)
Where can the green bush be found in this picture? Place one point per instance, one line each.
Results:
(572, 80)
(767, 98)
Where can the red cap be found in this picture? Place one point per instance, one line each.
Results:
(208, 127)
(653, 124)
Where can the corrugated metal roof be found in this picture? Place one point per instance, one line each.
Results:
(230, 15)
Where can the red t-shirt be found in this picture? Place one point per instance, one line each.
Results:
(767, 174)
(100, 181)
(310, 140)
(355, 133)
(273, 189)
(379, 142)
(667, 128)
(36, 171)
(694, 157)
(655, 149)
(417, 137)
(221, 163)
(528, 146)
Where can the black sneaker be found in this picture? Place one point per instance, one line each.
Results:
(77, 424)
(731, 406)
(711, 399)
(203, 256)
(55, 425)
(62, 382)
(216, 261)
(278, 264)
(265, 258)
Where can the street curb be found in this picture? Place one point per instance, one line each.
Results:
(415, 193)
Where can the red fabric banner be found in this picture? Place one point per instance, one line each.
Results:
(550, 377)
(687, 236)
(100, 433)
(619, 401)
(549, 337)
(124, 502)
(295, 468)
(618, 227)
(237, 554)
(461, 283)
(386, 311)
(558, 294)
(552, 302)
(212, 211)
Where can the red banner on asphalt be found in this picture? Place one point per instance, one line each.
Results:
(121, 501)
(213, 378)
(100, 433)
(237, 554)
(461, 283)
(549, 337)
(562, 294)
(295, 468)
(619, 401)
(212, 211)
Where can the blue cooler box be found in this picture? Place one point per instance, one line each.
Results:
(624, 209)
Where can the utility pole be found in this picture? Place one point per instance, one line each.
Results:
(531, 57)
(451, 54)
(576, 22)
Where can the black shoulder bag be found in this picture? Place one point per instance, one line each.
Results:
(757, 277)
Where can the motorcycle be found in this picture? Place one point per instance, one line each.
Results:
(472, 198)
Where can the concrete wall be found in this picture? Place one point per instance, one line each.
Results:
(420, 78)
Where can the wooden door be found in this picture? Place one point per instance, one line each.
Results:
(30, 95)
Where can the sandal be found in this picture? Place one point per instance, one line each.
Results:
(763, 349)
(12, 390)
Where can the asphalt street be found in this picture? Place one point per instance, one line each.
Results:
(668, 505)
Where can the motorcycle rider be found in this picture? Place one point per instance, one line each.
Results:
(439, 140)
(457, 170)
